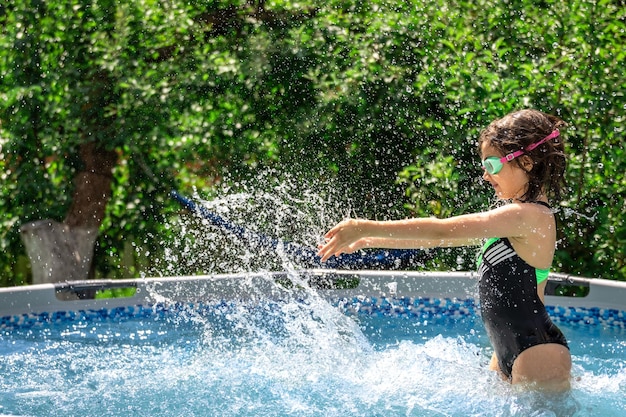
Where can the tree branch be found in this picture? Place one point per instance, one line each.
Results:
(232, 20)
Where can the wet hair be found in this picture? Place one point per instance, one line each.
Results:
(520, 129)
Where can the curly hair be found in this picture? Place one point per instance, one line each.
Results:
(522, 128)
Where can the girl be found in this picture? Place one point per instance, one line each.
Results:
(523, 160)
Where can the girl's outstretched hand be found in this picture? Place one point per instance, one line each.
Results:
(345, 237)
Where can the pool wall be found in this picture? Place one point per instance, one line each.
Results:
(590, 300)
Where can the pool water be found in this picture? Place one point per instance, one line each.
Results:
(301, 358)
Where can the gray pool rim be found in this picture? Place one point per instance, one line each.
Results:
(594, 301)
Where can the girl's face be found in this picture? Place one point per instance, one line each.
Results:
(511, 182)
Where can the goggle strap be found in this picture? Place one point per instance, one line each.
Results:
(552, 135)
(512, 156)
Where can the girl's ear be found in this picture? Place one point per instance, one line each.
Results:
(526, 163)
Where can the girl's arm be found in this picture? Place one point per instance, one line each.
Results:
(390, 243)
(512, 220)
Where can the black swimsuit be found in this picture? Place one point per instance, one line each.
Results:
(513, 314)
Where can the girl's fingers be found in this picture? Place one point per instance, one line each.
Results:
(337, 228)
(324, 252)
(327, 251)
(336, 242)
(324, 256)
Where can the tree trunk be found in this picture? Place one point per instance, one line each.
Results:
(64, 251)
(57, 251)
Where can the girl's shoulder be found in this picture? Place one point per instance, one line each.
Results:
(524, 208)
(522, 219)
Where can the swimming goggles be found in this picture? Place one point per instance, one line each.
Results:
(493, 164)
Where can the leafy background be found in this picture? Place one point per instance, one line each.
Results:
(369, 108)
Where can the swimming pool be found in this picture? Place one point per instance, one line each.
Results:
(311, 343)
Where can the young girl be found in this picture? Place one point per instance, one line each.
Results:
(523, 160)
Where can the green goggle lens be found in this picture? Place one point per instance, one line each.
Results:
(492, 165)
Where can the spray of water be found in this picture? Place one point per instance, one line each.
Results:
(290, 210)
(302, 355)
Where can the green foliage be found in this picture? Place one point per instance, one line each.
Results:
(387, 98)
(116, 293)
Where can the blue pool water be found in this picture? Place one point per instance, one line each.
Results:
(300, 358)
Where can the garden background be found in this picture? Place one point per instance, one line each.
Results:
(367, 108)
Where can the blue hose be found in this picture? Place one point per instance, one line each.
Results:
(382, 259)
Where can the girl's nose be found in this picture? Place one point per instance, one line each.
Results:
(485, 175)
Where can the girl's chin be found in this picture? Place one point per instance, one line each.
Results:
(501, 196)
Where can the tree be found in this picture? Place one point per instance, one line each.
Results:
(95, 90)
(380, 96)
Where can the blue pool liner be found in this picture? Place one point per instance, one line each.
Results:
(407, 307)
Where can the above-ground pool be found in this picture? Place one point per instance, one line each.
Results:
(310, 343)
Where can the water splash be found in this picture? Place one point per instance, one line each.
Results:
(287, 210)
(568, 212)
(302, 355)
